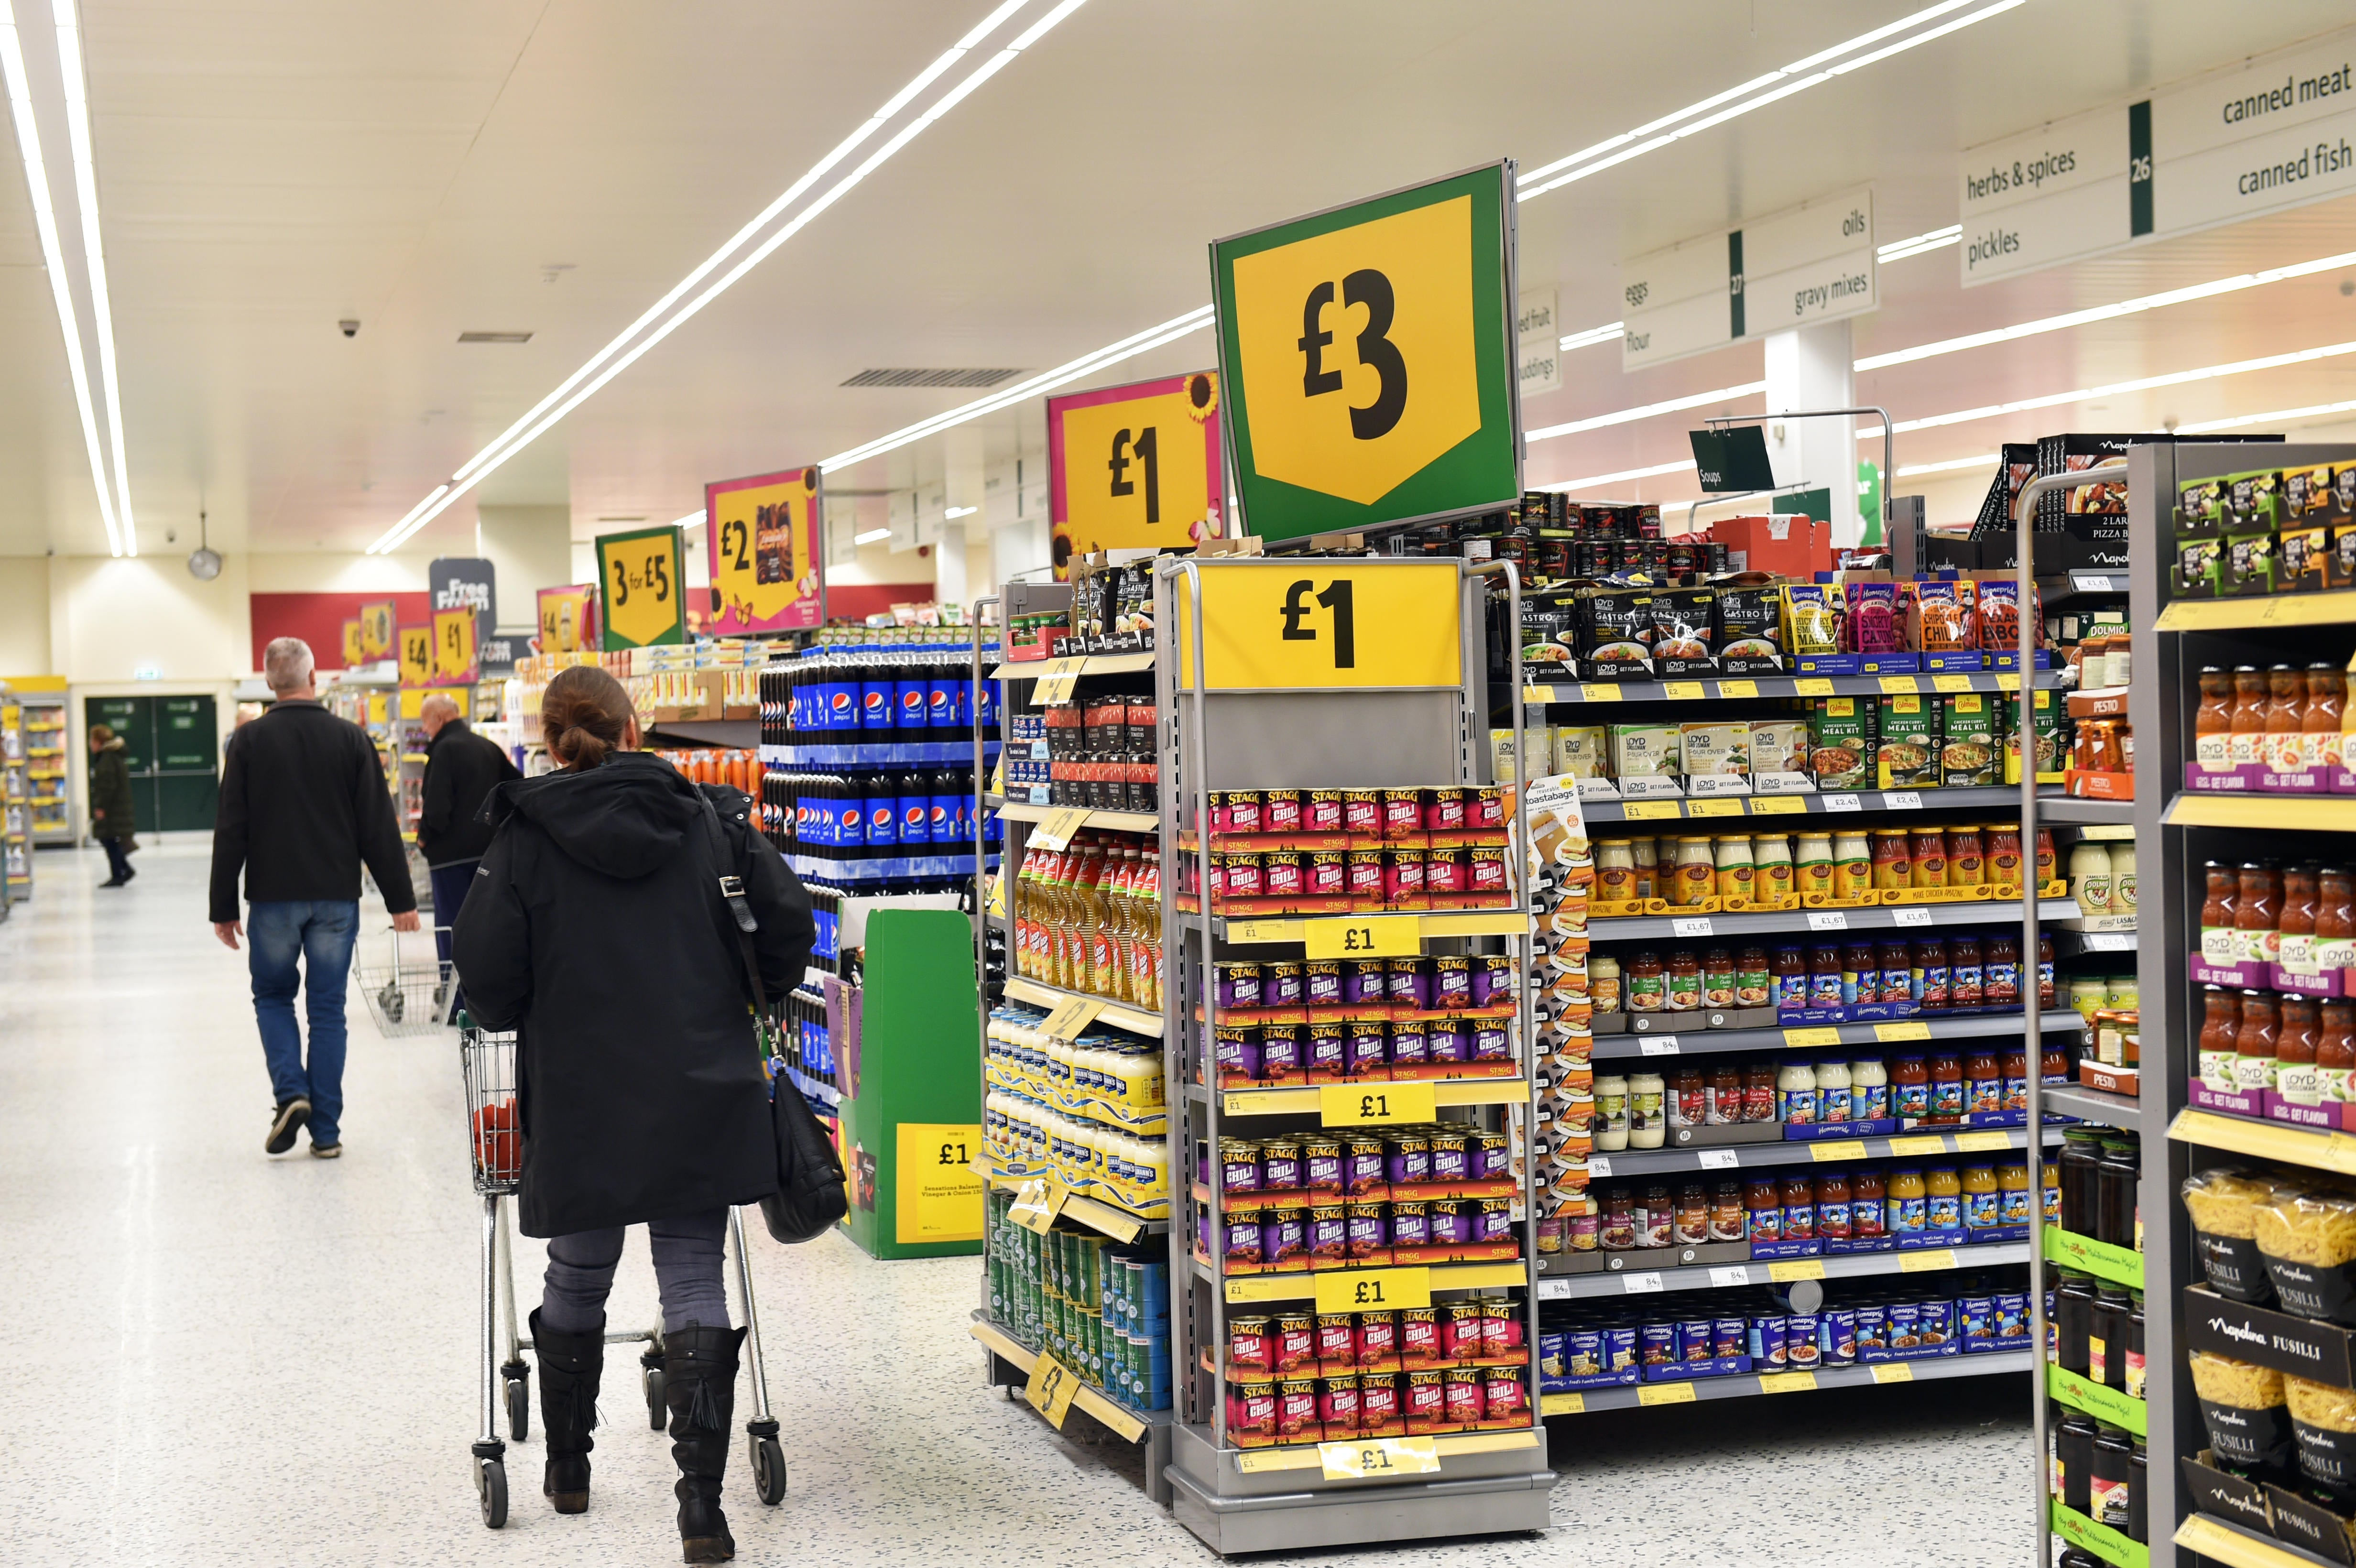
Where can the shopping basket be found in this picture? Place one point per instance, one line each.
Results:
(486, 1060)
(408, 996)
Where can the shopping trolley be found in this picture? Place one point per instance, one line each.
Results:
(412, 997)
(487, 1059)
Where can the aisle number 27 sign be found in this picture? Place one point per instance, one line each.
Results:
(1368, 360)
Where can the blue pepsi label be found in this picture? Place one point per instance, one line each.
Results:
(914, 713)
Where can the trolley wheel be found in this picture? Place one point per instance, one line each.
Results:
(491, 1484)
(657, 1409)
(520, 1407)
(769, 1470)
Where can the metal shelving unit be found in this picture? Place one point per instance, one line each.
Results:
(1802, 921)
(1220, 731)
(1904, 1032)
(1920, 1369)
(1813, 1151)
(1735, 1277)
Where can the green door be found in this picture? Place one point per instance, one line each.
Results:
(187, 759)
(173, 746)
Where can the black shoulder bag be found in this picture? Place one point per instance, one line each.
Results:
(812, 1194)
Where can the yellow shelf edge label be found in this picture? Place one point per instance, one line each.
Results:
(1375, 1104)
(1379, 1458)
(1788, 1269)
(1786, 1382)
(1737, 688)
(1926, 1260)
(1373, 1290)
(1050, 1389)
(1836, 1149)
(1893, 1372)
(1369, 937)
(1665, 1393)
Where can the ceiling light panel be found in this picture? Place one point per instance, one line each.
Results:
(667, 314)
(93, 251)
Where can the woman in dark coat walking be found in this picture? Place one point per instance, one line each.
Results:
(113, 820)
(596, 929)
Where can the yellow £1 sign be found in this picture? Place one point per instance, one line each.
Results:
(1134, 466)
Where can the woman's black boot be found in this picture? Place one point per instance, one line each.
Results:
(699, 1382)
(570, 1365)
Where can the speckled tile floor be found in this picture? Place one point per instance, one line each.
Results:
(213, 1356)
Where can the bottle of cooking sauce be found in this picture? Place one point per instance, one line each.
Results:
(1943, 1192)
(2247, 723)
(1934, 987)
(1852, 866)
(2000, 973)
(2054, 1062)
(1771, 856)
(2295, 946)
(2218, 942)
(1930, 855)
(2326, 693)
(1946, 1070)
(1982, 1080)
(1910, 1087)
(2257, 912)
(1684, 981)
(1833, 1207)
(2016, 1078)
(1812, 864)
(2044, 973)
(2221, 1021)
(1893, 860)
(1647, 982)
(1964, 972)
(2045, 853)
(2296, 1078)
(1718, 975)
(1907, 1209)
(2335, 1051)
(1758, 1092)
(1615, 871)
(2003, 860)
(1869, 1089)
(1824, 976)
(1791, 979)
(1736, 873)
(1983, 1204)
(1762, 1201)
(2012, 1193)
(1722, 1102)
(2212, 725)
(2254, 1043)
(1648, 880)
(1861, 980)
(2283, 752)
(1897, 973)
(1603, 992)
(1799, 1209)
(2335, 920)
(1697, 870)
(1869, 1192)
(1967, 857)
(1754, 984)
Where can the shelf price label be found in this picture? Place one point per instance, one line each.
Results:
(1786, 1382)
(1681, 690)
(1890, 1034)
(1737, 688)
(1056, 679)
(1951, 683)
(1899, 686)
(1777, 805)
(1061, 824)
(1814, 1035)
(1666, 1393)
(1920, 1143)
(1651, 811)
(1725, 806)
(1981, 1143)
(1374, 1104)
(1893, 1372)
(1071, 1016)
(1599, 691)
(1378, 1460)
(1926, 1262)
(1909, 914)
(1388, 936)
(1789, 1269)
(1036, 1203)
(1691, 925)
(1829, 919)
(1050, 1389)
(1373, 1290)
(1812, 686)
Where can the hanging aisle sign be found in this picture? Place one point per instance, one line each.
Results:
(1810, 264)
(1134, 467)
(454, 655)
(352, 655)
(767, 552)
(1367, 358)
(568, 618)
(639, 573)
(416, 656)
(376, 630)
(2273, 132)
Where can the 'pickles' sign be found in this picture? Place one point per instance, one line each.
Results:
(1368, 360)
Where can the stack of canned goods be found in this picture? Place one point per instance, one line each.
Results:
(1100, 1309)
(1413, 1194)
(1337, 851)
(1100, 753)
(1303, 1377)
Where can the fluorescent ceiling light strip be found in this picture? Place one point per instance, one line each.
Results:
(2114, 388)
(2276, 416)
(1653, 472)
(1608, 333)
(1985, 460)
(1674, 405)
(1593, 159)
(53, 256)
(1916, 244)
(2234, 285)
(817, 172)
(101, 312)
(689, 519)
(1086, 364)
(871, 535)
(549, 410)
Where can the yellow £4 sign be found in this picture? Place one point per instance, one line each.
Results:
(644, 588)
(416, 654)
(1368, 360)
(352, 654)
(1134, 467)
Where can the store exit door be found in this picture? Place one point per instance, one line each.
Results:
(173, 745)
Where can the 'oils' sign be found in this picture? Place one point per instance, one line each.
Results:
(1367, 358)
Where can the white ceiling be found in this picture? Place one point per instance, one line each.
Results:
(268, 167)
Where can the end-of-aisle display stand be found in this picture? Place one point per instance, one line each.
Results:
(2204, 597)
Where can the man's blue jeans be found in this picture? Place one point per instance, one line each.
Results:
(450, 885)
(321, 934)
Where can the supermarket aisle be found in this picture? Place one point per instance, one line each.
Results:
(212, 1357)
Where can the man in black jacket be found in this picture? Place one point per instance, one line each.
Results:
(461, 769)
(302, 803)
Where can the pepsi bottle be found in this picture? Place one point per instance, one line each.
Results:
(915, 811)
(911, 680)
(878, 691)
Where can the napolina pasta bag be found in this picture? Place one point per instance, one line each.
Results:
(2244, 1407)
(2307, 1234)
(2222, 1202)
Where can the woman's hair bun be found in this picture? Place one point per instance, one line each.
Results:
(584, 715)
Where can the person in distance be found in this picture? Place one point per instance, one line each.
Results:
(597, 931)
(111, 815)
(461, 767)
(303, 805)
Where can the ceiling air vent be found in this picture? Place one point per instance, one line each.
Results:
(931, 377)
(495, 338)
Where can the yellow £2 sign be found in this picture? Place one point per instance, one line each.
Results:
(1359, 347)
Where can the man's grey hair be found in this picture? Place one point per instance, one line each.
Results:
(440, 702)
(286, 663)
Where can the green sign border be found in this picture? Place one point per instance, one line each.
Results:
(611, 641)
(1482, 472)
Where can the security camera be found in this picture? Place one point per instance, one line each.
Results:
(351, 328)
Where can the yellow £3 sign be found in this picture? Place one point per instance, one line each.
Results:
(1368, 360)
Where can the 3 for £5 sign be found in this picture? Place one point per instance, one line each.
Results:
(1368, 357)
(643, 583)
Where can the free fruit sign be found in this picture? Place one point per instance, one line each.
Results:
(1368, 355)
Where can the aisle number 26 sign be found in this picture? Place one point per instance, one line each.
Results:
(1368, 359)
(644, 588)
